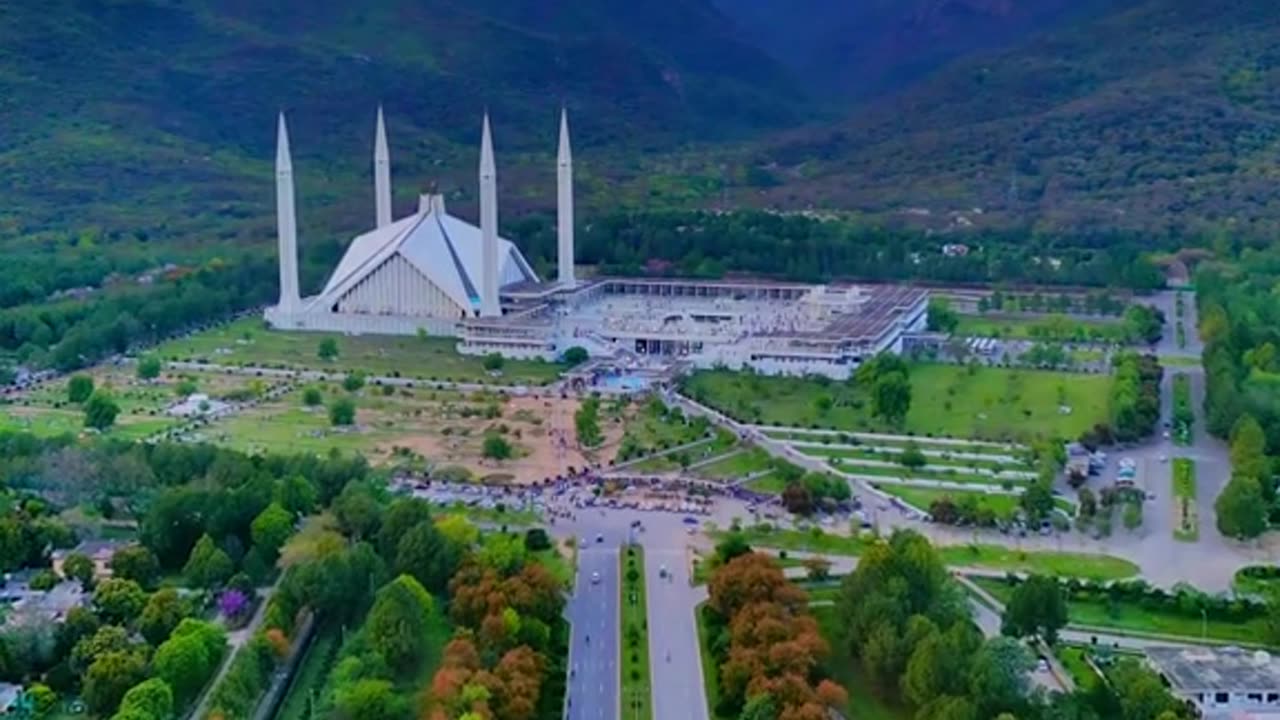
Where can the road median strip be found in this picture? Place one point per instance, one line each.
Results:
(637, 694)
(1186, 518)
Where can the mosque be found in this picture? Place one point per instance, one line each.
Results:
(435, 273)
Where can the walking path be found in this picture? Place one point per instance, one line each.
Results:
(236, 639)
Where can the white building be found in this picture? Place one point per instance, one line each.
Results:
(434, 272)
(1222, 683)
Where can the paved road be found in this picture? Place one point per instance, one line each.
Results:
(674, 658)
(594, 641)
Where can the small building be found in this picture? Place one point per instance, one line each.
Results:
(99, 551)
(38, 607)
(9, 696)
(1222, 683)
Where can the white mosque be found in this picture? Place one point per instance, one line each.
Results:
(433, 272)
(427, 271)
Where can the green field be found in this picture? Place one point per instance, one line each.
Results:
(1246, 585)
(892, 457)
(1132, 617)
(947, 400)
(996, 557)
(1074, 660)
(248, 342)
(49, 422)
(738, 465)
(1031, 327)
(770, 483)
(894, 443)
(637, 693)
(1004, 506)
(1179, 361)
(1187, 525)
(904, 473)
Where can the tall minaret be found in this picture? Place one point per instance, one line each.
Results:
(489, 306)
(564, 205)
(381, 174)
(286, 223)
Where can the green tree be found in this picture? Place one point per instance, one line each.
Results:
(79, 388)
(425, 554)
(109, 677)
(353, 381)
(493, 362)
(575, 355)
(311, 396)
(496, 447)
(397, 623)
(297, 495)
(78, 566)
(328, 349)
(271, 529)
(1141, 694)
(100, 410)
(587, 423)
(162, 613)
(999, 675)
(208, 566)
(948, 707)
(760, 707)
(1037, 501)
(358, 512)
(149, 368)
(118, 600)
(136, 563)
(43, 699)
(891, 397)
(1240, 509)
(1249, 454)
(1038, 607)
(150, 698)
(502, 552)
(912, 456)
(342, 412)
(370, 699)
(184, 664)
(941, 317)
(106, 639)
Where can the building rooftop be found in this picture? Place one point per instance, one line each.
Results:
(1228, 669)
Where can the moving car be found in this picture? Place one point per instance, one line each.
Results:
(595, 578)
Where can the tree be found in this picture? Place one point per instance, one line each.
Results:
(136, 563)
(162, 613)
(109, 677)
(149, 368)
(1249, 452)
(370, 699)
(425, 554)
(398, 621)
(536, 540)
(1240, 509)
(208, 566)
(78, 566)
(184, 662)
(1037, 501)
(150, 698)
(587, 423)
(1038, 607)
(357, 511)
(100, 410)
(311, 396)
(458, 530)
(891, 397)
(79, 388)
(575, 355)
(496, 447)
(271, 529)
(948, 707)
(999, 675)
(43, 699)
(297, 494)
(760, 707)
(818, 569)
(493, 362)
(342, 412)
(1141, 694)
(353, 381)
(912, 456)
(328, 349)
(941, 317)
(118, 600)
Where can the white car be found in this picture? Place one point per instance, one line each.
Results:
(595, 578)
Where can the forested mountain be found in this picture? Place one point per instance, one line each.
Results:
(158, 115)
(1159, 115)
(856, 50)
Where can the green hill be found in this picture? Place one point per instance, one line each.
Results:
(1159, 117)
(156, 116)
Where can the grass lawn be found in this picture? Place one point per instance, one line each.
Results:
(1022, 327)
(1045, 562)
(948, 400)
(492, 516)
(311, 672)
(863, 703)
(771, 483)
(1179, 361)
(248, 342)
(959, 464)
(894, 443)
(898, 471)
(738, 465)
(1073, 659)
(1135, 618)
(1187, 528)
(805, 541)
(637, 692)
(1004, 506)
(1244, 584)
(51, 422)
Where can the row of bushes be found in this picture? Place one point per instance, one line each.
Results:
(1183, 600)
